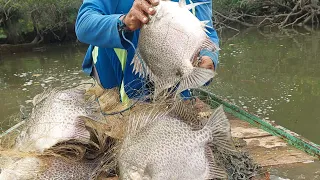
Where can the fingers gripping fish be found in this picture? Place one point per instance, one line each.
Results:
(169, 45)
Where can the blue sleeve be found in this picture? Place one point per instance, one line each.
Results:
(96, 27)
(204, 13)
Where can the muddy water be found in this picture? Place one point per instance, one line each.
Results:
(274, 76)
(24, 75)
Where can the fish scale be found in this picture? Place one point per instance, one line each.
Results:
(165, 147)
(57, 127)
(168, 46)
(55, 118)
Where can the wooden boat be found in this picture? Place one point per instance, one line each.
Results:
(269, 144)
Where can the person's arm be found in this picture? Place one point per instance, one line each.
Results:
(204, 13)
(94, 26)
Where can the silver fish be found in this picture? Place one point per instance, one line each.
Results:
(44, 168)
(57, 116)
(169, 45)
(58, 141)
(160, 146)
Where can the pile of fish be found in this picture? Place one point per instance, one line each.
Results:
(56, 141)
(60, 141)
(67, 136)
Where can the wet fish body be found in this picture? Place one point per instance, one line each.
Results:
(169, 45)
(44, 168)
(57, 127)
(165, 147)
(55, 117)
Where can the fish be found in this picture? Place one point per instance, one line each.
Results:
(58, 140)
(168, 46)
(161, 145)
(58, 115)
(47, 167)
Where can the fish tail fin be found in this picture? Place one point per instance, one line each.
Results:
(197, 78)
(220, 129)
(213, 170)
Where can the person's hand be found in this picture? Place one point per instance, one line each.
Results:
(206, 63)
(138, 14)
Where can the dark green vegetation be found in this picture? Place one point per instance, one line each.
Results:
(35, 21)
(256, 13)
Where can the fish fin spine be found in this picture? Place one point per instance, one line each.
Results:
(213, 170)
(182, 3)
(193, 5)
(197, 78)
(220, 129)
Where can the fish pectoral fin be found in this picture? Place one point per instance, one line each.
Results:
(220, 129)
(139, 66)
(204, 26)
(213, 170)
(197, 78)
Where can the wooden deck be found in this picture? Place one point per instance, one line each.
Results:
(266, 149)
(273, 153)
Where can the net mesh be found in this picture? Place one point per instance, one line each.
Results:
(106, 127)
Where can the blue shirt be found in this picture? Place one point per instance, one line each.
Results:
(96, 25)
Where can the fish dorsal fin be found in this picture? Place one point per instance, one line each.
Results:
(220, 128)
(182, 3)
(45, 94)
(193, 5)
(139, 121)
(139, 66)
(213, 170)
(204, 25)
(186, 113)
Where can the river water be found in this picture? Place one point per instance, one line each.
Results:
(273, 75)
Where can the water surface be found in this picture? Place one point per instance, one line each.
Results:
(24, 75)
(275, 76)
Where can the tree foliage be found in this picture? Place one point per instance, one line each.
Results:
(18, 17)
(280, 13)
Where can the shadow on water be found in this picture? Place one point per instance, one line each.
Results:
(274, 75)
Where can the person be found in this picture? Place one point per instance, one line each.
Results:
(100, 24)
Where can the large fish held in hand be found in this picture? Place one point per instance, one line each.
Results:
(169, 45)
(162, 146)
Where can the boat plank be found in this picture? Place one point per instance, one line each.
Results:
(265, 149)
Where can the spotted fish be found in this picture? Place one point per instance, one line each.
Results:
(161, 146)
(44, 168)
(169, 45)
(57, 116)
(58, 140)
